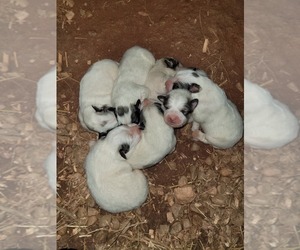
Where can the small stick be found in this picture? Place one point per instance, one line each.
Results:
(16, 60)
(205, 45)
(66, 58)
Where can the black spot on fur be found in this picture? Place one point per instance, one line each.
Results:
(164, 99)
(195, 74)
(135, 112)
(180, 85)
(123, 150)
(104, 109)
(171, 63)
(122, 110)
(159, 107)
(142, 123)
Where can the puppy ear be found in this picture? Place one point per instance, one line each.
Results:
(193, 104)
(194, 88)
(159, 107)
(124, 149)
(112, 109)
(138, 104)
(97, 109)
(162, 98)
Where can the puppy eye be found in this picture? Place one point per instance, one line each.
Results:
(124, 149)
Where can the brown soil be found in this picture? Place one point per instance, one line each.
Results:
(106, 29)
(27, 205)
(272, 208)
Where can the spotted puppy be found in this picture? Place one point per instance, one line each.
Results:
(158, 138)
(129, 87)
(115, 186)
(95, 110)
(268, 122)
(162, 70)
(218, 117)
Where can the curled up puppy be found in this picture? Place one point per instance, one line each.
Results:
(268, 122)
(129, 87)
(115, 186)
(95, 110)
(157, 138)
(214, 114)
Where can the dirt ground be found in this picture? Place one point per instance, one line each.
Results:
(27, 49)
(213, 217)
(272, 176)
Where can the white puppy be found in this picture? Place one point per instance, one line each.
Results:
(46, 101)
(115, 186)
(162, 70)
(158, 138)
(95, 110)
(268, 122)
(129, 87)
(218, 117)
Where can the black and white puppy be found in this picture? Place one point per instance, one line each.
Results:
(218, 117)
(162, 70)
(129, 87)
(157, 140)
(115, 186)
(95, 110)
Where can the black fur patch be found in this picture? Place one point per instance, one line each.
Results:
(123, 150)
(104, 109)
(189, 107)
(195, 74)
(159, 107)
(135, 112)
(180, 85)
(142, 122)
(171, 63)
(122, 110)
(164, 99)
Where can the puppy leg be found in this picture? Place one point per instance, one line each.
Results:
(195, 126)
(197, 135)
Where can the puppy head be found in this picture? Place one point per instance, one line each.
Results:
(129, 114)
(104, 120)
(178, 105)
(186, 78)
(124, 138)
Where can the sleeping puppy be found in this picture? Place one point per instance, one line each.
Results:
(218, 117)
(268, 122)
(129, 87)
(158, 138)
(162, 70)
(115, 186)
(95, 110)
(46, 100)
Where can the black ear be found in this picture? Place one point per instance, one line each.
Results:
(112, 109)
(176, 85)
(124, 149)
(171, 63)
(158, 105)
(193, 104)
(138, 104)
(97, 109)
(194, 88)
(162, 98)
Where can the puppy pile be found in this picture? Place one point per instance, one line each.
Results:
(135, 106)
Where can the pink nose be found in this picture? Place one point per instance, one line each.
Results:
(173, 120)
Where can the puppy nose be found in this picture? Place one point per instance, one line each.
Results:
(173, 120)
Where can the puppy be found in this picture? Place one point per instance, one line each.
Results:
(218, 117)
(268, 122)
(129, 87)
(115, 186)
(95, 110)
(162, 70)
(46, 101)
(158, 138)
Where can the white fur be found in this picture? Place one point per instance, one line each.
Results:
(50, 166)
(95, 89)
(46, 101)
(268, 122)
(157, 77)
(158, 140)
(115, 186)
(129, 87)
(217, 116)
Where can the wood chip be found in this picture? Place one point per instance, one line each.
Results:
(205, 46)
